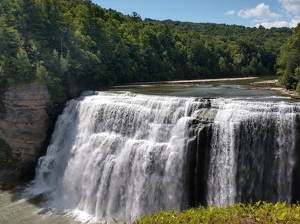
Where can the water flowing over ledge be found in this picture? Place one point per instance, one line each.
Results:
(251, 152)
(117, 155)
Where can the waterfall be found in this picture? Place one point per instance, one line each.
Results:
(252, 152)
(118, 155)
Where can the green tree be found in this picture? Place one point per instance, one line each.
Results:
(289, 61)
(72, 44)
(135, 17)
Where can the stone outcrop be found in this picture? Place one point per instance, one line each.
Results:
(198, 153)
(24, 123)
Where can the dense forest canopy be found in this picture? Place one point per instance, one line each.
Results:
(70, 43)
(289, 61)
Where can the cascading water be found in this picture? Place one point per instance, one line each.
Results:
(118, 155)
(252, 152)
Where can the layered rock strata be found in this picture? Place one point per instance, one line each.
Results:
(23, 125)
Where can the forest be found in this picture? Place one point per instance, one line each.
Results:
(71, 44)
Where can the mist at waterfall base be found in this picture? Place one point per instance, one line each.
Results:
(117, 155)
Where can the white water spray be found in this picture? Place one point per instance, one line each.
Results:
(118, 155)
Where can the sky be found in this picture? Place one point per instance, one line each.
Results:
(250, 13)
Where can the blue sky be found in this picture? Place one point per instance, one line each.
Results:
(269, 13)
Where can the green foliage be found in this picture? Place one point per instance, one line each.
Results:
(2, 104)
(7, 159)
(289, 61)
(4, 146)
(5, 153)
(260, 212)
(78, 44)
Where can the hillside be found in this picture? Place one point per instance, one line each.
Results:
(75, 44)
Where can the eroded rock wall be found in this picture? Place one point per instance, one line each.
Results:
(25, 123)
(23, 126)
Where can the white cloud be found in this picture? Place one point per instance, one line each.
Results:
(294, 22)
(261, 13)
(269, 25)
(291, 6)
(230, 12)
(258, 20)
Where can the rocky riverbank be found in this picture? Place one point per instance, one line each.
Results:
(275, 86)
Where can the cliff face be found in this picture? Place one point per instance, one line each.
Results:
(23, 124)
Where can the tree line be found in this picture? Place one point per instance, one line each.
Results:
(73, 43)
(288, 62)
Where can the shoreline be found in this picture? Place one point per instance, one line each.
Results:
(143, 84)
(275, 86)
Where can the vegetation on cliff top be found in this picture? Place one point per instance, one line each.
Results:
(75, 43)
(260, 212)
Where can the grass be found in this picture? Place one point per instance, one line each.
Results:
(260, 212)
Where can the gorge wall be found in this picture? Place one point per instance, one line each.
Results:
(23, 130)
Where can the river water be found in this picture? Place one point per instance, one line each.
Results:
(120, 153)
(15, 210)
(241, 89)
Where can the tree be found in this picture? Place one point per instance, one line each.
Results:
(289, 61)
(76, 43)
(135, 17)
(23, 67)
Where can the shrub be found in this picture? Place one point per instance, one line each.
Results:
(260, 212)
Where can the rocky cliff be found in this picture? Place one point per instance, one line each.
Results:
(23, 130)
